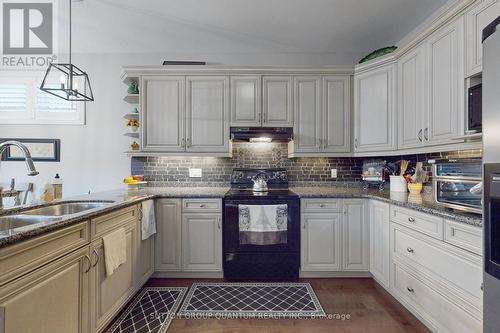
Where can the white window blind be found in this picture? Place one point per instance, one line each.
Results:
(13, 97)
(22, 102)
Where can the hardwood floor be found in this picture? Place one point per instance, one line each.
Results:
(371, 310)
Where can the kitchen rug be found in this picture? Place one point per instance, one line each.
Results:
(251, 300)
(151, 311)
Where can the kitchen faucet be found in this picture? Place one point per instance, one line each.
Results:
(29, 164)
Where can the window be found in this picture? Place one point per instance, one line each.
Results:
(22, 102)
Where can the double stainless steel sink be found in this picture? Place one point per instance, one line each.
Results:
(48, 214)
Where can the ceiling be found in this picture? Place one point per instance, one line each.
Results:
(348, 29)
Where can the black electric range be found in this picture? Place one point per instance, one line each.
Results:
(243, 261)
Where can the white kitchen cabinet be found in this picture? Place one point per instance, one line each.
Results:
(169, 233)
(322, 114)
(321, 242)
(446, 85)
(52, 299)
(380, 249)
(207, 114)
(336, 114)
(144, 257)
(162, 117)
(202, 242)
(412, 108)
(308, 130)
(110, 293)
(477, 18)
(246, 100)
(355, 236)
(277, 110)
(374, 109)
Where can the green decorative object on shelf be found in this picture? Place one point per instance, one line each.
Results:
(132, 87)
(378, 53)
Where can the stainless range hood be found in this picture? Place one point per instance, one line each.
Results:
(262, 134)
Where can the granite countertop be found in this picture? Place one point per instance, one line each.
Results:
(422, 202)
(124, 198)
(119, 198)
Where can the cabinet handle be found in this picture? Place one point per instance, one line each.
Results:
(304, 225)
(265, 117)
(260, 118)
(410, 250)
(410, 289)
(411, 219)
(482, 286)
(183, 143)
(218, 223)
(420, 135)
(96, 257)
(426, 134)
(90, 263)
(141, 214)
(356, 143)
(188, 143)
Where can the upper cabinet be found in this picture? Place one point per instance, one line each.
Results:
(446, 85)
(246, 101)
(277, 110)
(207, 114)
(261, 101)
(477, 18)
(374, 109)
(163, 116)
(185, 114)
(322, 114)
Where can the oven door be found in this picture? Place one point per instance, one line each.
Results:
(231, 238)
(455, 193)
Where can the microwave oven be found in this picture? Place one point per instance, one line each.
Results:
(475, 114)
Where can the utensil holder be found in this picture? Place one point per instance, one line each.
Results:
(398, 184)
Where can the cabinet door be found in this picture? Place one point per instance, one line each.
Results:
(321, 242)
(379, 242)
(477, 18)
(162, 114)
(246, 101)
(374, 116)
(356, 240)
(109, 293)
(446, 85)
(336, 114)
(277, 108)
(207, 114)
(201, 242)
(52, 299)
(411, 98)
(144, 259)
(308, 132)
(168, 235)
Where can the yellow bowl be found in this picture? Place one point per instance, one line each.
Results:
(415, 187)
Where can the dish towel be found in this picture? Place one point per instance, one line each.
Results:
(148, 223)
(115, 250)
(263, 224)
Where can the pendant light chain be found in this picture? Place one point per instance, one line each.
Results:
(70, 63)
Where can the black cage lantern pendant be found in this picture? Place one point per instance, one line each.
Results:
(66, 80)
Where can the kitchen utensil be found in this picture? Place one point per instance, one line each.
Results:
(404, 166)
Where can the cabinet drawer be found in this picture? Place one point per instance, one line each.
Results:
(427, 224)
(321, 205)
(21, 258)
(467, 237)
(111, 221)
(201, 205)
(458, 267)
(431, 305)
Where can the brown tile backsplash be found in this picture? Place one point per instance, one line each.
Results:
(174, 171)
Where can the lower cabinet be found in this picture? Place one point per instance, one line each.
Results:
(321, 242)
(189, 237)
(380, 250)
(109, 293)
(52, 299)
(334, 236)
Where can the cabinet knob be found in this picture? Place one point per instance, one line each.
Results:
(202, 205)
(321, 205)
(410, 289)
(410, 250)
(411, 219)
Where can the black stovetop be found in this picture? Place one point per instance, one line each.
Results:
(277, 182)
(272, 193)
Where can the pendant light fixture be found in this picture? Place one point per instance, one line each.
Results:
(67, 81)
